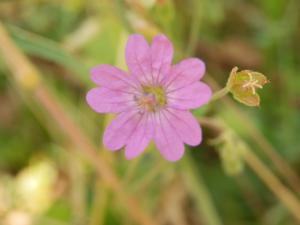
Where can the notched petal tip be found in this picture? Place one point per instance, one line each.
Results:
(200, 65)
(98, 69)
(136, 36)
(103, 100)
(174, 158)
(94, 69)
(105, 75)
(161, 37)
(196, 143)
(94, 72)
(136, 40)
(89, 97)
(208, 93)
(129, 155)
(111, 147)
(162, 40)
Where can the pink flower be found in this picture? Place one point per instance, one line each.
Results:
(152, 102)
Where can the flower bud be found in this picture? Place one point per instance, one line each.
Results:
(243, 86)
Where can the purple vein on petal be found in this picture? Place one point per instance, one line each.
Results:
(181, 126)
(137, 124)
(164, 133)
(151, 69)
(140, 66)
(159, 71)
(174, 114)
(171, 124)
(120, 125)
(177, 75)
(93, 72)
(138, 142)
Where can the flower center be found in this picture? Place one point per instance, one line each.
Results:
(252, 84)
(153, 98)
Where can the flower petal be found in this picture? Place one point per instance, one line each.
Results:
(117, 133)
(110, 77)
(167, 140)
(161, 57)
(189, 97)
(138, 58)
(104, 100)
(184, 73)
(140, 138)
(186, 126)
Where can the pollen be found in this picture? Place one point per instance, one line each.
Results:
(152, 98)
(158, 92)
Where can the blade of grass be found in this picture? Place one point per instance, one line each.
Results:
(273, 183)
(36, 45)
(87, 30)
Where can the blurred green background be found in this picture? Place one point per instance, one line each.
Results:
(44, 181)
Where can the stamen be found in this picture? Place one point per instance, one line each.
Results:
(152, 98)
(253, 84)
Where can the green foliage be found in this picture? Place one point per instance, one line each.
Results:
(204, 29)
(47, 49)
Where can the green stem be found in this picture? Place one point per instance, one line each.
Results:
(219, 94)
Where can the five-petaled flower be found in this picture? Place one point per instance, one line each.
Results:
(152, 100)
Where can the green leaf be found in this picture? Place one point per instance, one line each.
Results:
(36, 45)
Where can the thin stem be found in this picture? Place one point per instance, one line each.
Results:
(219, 94)
(273, 183)
(284, 169)
(28, 77)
